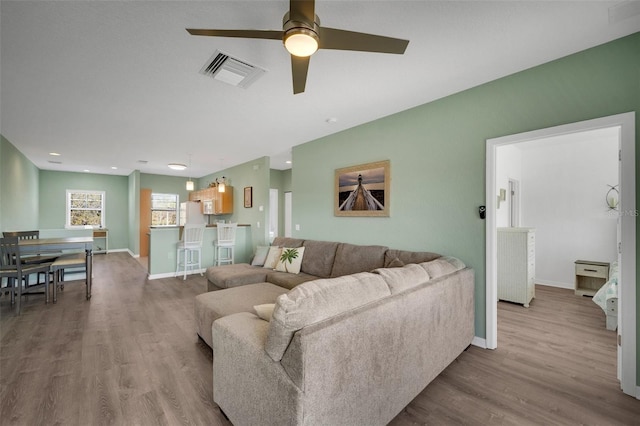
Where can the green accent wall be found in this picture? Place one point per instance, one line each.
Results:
(19, 189)
(255, 174)
(437, 154)
(163, 184)
(53, 191)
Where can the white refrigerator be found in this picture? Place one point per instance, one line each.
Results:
(191, 212)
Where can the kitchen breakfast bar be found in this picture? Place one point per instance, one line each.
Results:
(162, 248)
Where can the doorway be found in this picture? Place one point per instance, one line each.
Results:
(627, 248)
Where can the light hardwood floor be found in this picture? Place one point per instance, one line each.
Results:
(131, 356)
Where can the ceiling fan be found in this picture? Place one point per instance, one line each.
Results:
(302, 35)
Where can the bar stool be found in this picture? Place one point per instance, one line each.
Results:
(191, 244)
(225, 243)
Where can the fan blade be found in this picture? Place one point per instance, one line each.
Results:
(331, 38)
(302, 10)
(299, 68)
(265, 34)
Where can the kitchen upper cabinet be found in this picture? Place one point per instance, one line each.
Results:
(223, 203)
(214, 202)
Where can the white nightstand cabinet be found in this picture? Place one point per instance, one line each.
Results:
(590, 276)
(516, 265)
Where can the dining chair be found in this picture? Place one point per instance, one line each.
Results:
(31, 259)
(192, 236)
(17, 274)
(225, 243)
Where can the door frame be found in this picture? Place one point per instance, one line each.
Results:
(627, 208)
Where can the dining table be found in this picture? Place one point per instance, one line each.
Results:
(58, 245)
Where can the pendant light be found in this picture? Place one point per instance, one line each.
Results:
(221, 185)
(190, 185)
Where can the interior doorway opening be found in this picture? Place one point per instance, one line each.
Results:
(627, 246)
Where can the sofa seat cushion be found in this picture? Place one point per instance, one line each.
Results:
(351, 259)
(216, 304)
(227, 276)
(442, 266)
(288, 281)
(315, 301)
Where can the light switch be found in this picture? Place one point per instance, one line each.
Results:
(258, 224)
(261, 208)
(297, 227)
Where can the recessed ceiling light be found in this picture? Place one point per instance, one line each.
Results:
(331, 120)
(288, 161)
(86, 170)
(114, 168)
(142, 161)
(55, 154)
(177, 166)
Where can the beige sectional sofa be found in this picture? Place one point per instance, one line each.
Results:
(352, 349)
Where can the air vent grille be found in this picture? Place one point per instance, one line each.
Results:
(231, 70)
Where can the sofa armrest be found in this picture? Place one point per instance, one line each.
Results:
(247, 384)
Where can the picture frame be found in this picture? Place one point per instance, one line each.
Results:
(248, 196)
(363, 190)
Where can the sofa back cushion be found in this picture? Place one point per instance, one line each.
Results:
(400, 279)
(351, 259)
(442, 266)
(287, 242)
(406, 257)
(315, 301)
(318, 257)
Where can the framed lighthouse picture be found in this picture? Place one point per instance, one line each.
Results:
(363, 190)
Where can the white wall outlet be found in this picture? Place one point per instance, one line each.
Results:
(297, 227)
(261, 208)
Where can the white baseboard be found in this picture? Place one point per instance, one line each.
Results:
(172, 274)
(479, 342)
(555, 284)
(118, 250)
(132, 254)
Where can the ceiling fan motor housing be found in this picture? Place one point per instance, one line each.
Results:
(299, 27)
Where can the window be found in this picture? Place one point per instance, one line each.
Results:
(85, 208)
(164, 209)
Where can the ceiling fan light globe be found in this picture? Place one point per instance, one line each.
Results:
(301, 42)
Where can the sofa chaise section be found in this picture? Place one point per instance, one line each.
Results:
(357, 359)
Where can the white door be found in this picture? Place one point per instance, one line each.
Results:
(287, 214)
(273, 213)
(514, 203)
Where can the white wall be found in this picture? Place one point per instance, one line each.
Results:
(563, 188)
(508, 166)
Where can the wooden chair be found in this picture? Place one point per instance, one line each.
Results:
(31, 259)
(17, 274)
(225, 243)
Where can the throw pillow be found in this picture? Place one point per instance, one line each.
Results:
(272, 257)
(290, 260)
(265, 311)
(260, 256)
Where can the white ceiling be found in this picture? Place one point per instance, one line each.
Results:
(108, 83)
